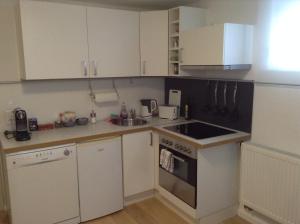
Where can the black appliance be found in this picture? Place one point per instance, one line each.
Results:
(182, 182)
(22, 133)
(198, 130)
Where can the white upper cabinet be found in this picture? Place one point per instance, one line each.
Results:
(113, 37)
(54, 40)
(224, 44)
(154, 43)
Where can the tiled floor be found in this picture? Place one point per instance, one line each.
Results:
(150, 211)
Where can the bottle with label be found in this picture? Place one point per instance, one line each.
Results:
(187, 112)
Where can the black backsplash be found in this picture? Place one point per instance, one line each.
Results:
(200, 95)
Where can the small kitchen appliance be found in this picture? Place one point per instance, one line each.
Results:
(149, 107)
(168, 112)
(22, 133)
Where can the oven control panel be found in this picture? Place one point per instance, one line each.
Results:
(179, 146)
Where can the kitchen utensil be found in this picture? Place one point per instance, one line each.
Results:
(69, 123)
(235, 113)
(68, 117)
(168, 112)
(82, 121)
(216, 103)
(145, 111)
(33, 124)
(149, 107)
(224, 109)
(22, 133)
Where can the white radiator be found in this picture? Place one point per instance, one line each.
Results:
(270, 183)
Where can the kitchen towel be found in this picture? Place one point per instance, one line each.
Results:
(166, 160)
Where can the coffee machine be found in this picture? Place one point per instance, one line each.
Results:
(21, 133)
(149, 108)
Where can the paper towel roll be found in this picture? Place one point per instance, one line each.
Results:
(104, 97)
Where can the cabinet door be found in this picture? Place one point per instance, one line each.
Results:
(9, 58)
(138, 163)
(154, 43)
(54, 40)
(202, 46)
(113, 42)
(100, 178)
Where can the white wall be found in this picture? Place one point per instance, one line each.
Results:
(46, 99)
(276, 118)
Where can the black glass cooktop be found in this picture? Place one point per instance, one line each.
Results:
(199, 130)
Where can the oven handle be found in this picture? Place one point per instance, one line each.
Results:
(178, 158)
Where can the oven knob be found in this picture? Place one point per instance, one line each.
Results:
(176, 146)
(170, 143)
(189, 151)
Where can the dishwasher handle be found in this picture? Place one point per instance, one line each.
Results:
(42, 161)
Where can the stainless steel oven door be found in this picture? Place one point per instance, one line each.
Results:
(178, 187)
(182, 181)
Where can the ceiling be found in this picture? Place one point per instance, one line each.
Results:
(147, 4)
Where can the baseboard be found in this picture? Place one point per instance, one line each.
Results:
(254, 217)
(175, 209)
(220, 216)
(138, 197)
(214, 218)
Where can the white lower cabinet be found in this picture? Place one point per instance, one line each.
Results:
(138, 163)
(100, 178)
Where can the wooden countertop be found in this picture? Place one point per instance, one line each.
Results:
(104, 129)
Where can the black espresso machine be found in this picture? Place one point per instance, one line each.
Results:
(21, 133)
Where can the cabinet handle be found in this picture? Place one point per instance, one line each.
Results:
(180, 55)
(95, 68)
(151, 139)
(144, 67)
(84, 64)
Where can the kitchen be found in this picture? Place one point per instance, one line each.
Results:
(275, 97)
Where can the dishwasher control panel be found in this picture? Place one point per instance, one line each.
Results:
(39, 156)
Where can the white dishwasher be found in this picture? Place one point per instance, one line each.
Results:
(43, 186)
(100, 178)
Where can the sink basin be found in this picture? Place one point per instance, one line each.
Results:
(129, 122)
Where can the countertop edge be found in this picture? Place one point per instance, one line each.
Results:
(119, 133)
(74, 140)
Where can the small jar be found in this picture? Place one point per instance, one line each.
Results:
(93, 117)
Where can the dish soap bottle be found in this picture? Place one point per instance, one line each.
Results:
(123, 113)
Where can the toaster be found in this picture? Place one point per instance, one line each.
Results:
(168, 112)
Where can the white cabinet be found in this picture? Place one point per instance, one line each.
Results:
(63, 41)
(113, 37)
(138, 163)
(154, 43)
(54, 40)
(222, 44)
(9, 54)
(100, 178)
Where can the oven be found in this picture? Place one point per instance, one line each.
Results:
(180, 179)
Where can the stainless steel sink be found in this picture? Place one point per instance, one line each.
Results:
(129, 121)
